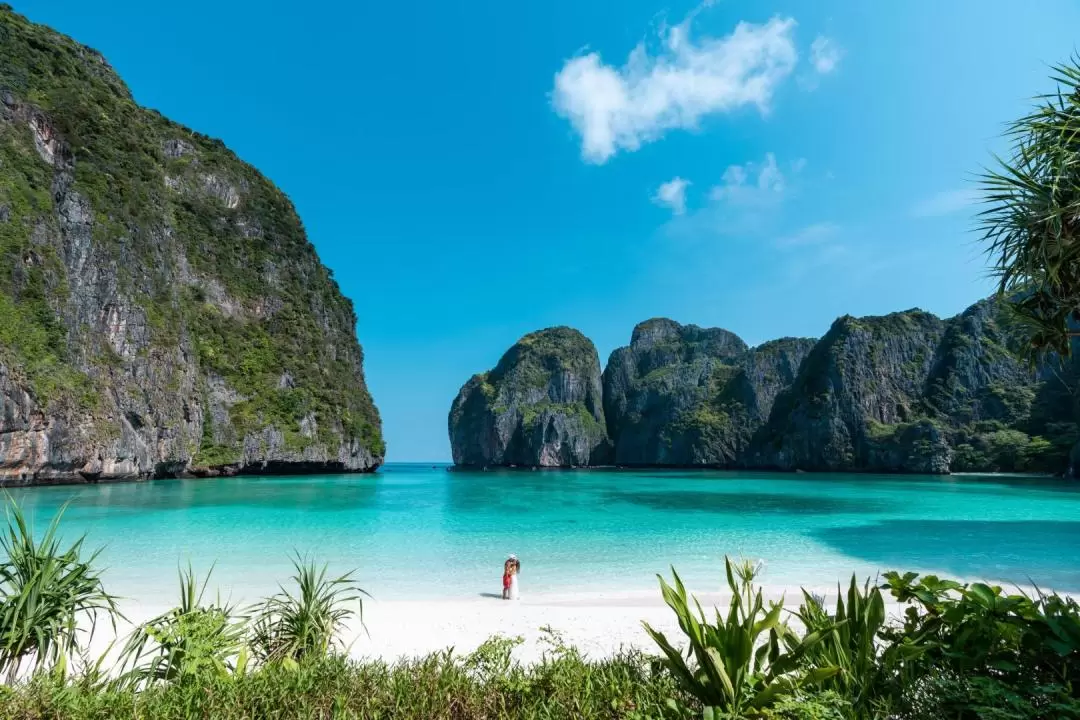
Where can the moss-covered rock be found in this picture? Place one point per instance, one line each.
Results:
(903, 393)
(865, 372)
(161, 309)
(681, 395)
(908, 392)
(540, 406)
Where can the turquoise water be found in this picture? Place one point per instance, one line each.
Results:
(418, 531)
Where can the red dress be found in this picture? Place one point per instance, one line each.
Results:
(506, 581)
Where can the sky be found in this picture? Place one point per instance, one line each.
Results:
(475, 171)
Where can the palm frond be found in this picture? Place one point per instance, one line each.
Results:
(1031, 220)
(310, 620)
(45, 590)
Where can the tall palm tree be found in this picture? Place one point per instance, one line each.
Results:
(1031, 225)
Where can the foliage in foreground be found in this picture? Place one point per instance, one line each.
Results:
(188, 643)
(291, 627)
(44, 590)
(741, 664)
(484, 684)
(963, 652)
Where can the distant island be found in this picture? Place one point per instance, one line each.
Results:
(162, 312)
(901, 393)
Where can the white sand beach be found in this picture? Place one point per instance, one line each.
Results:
(597, 625)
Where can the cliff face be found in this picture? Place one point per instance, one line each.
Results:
(540, 406)
(161, 310)
(853, 396)
(906, 392)
(683, 395)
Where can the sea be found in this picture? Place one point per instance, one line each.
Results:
(429, 531)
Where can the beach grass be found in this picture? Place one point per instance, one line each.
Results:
(482, 684)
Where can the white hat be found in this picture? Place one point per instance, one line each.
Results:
(513, 556)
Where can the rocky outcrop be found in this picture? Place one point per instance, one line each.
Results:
(864, 371)
(908, 392)
(681, 395)
(900, 393)
(541, 406)
(154, 291)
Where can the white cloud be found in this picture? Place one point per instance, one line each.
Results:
(672, 194)
(751, 184)
(615, 108)
(747, 202)
(945, 202)
(825, 54)
(816, 234)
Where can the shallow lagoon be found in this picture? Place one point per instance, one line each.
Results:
(419, 531)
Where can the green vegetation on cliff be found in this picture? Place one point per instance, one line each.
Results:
(132, 247)
(540, 406)
(904, 392)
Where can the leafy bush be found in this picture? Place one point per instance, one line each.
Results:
(192, 641)
(849, 641)
(825, 705)
(977, 652)
(293, 627)
(742, 663)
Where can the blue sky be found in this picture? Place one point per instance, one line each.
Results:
(473, 172)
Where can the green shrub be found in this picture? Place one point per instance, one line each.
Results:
(825, 705)
(849, 641)
(743, 663)
(191, 642)
(967, 643)
(44, 593)
(290, 627)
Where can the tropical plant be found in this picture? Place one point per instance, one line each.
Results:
(192, 641)
(849, 641)
(1031, 226)
(978, 642)
(45, 591)
(743, 663)
(291, 627)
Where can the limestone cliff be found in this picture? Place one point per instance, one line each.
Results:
(541, 406)
(161, 309)
(681, 395)
(854, 393)
(906, 392)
